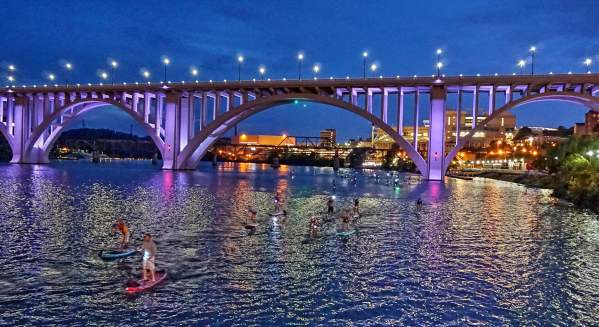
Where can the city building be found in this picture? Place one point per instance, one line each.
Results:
(268, 140)
(590, 125)
(328, 137)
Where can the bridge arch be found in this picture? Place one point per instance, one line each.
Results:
(40, 143)
(197, 147)
(586, 100)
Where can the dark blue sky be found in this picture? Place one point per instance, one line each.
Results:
(477, 36)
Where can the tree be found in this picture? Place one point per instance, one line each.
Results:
(523, 133)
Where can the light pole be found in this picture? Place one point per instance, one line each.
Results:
(145, 73)
(316, 69)
(262, 71)
(521, 64)
(68, 66)
(166, 62)
(588, 62)
(239, 62)
(364, 56)
(300, 59)
(114, 64)
(374, 67)
(439, 64)
(532, 50)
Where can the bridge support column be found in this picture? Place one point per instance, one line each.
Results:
(436, 141)
(28, 113)
(172, 127)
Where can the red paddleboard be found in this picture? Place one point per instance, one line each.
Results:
(141, 285)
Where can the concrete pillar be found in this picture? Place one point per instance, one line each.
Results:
(184, 126)
(400, 99)
(159, 108)
(172, 132)
(436, 143)
(368, 96)
(384, 105)
(416, 118)
(458, 118)
(491, 107)
(147, 104)
(474, 106)
(204, 111)
(192, 115)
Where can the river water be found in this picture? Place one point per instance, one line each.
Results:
(478, 252)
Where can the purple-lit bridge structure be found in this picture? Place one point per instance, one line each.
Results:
(185, 119)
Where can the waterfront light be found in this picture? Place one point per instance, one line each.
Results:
(588, 62)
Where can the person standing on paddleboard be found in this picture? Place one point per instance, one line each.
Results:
(149, 258)
(330, 206)
(122, 228)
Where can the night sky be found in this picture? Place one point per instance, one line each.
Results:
(483, 37)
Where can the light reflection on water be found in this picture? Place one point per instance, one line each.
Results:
(483, 251)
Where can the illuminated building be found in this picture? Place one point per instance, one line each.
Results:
(328, 137)
(590, 125)
(271, 140)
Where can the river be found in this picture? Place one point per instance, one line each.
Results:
(478, 252)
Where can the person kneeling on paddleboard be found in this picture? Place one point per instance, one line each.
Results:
(124, 230)
(149, 248)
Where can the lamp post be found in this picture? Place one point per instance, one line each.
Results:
(68, 66)
(374, 67)
(300, 59)
(166, 61)
(532, 51)
(439, 64)
(588, 62)
(113, 64)
(521, 64)
(262, 71)
(364, 56)
(316, 69)
(239, 62)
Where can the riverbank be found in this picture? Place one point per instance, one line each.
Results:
(527, 179)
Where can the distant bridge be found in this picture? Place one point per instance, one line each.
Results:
(32, 118)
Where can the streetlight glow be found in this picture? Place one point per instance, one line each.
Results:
(316, 68)
(68, 66)
(166, 61)
(365, 54)
(439, 51)
(104, 75)
(114, 64)
(374, 67)
(439, 65)
(12, 68)
(145, 73)
(300, 56)
(11, 78)
(51, 77)
(240, 59)
(194, 72)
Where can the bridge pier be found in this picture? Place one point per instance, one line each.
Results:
(436, 141)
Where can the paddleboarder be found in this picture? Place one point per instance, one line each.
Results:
(149, 258)
(122, 228)
(330, 206)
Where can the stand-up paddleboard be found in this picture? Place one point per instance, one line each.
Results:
(109, 255)
(346, 233)
(142, 285)
(276, 214)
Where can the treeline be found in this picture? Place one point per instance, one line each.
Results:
(108, 142)
(575, 164)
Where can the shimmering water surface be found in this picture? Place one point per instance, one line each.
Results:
(478, 252)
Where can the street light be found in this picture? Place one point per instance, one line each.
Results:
(262, 71)
(103, 75)
(114, 64)
(439, 64)
(51, 77)
(364, 56)
(532, 51)
(300, 59)
(10, 78)
(316, 69)
(194, 71)
(68, 66)
(374, 67)
(239, 62)
(588, 62)
(521, 64)
(12, 68)
(166, 61)
(145, 73)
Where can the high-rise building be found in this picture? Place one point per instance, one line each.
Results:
(328, 137)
